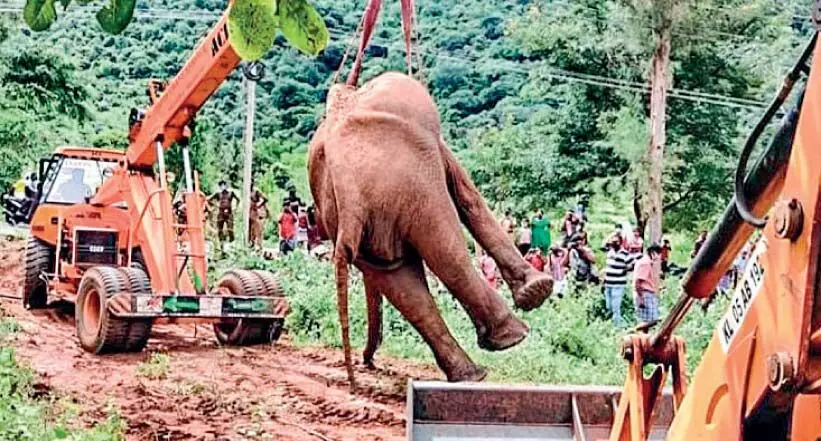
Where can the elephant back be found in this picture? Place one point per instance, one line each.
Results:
(398, 94)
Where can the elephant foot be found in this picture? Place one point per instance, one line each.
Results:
(538, 287)
(471, 373)
(506, 334)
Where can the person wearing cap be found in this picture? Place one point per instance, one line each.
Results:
(646, 288)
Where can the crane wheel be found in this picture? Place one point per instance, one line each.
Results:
(39, 260)
(98, 330)
(238, 332)
(139, 329)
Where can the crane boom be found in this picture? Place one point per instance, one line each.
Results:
(212, 62)
(164, 123)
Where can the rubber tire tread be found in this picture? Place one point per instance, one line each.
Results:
(140, 329)
(247, 331)
(114, 332)
(39, 259)
(272, 289)
(271, 283)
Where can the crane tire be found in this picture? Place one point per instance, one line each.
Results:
(247, 331)
(98, 330)
(39, 260)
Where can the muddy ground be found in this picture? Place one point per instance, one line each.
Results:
(277, 392)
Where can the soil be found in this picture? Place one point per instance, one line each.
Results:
(208, 392)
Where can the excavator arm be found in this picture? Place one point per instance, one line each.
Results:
(760, 377)
(761, 374)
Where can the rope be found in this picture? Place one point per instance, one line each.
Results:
(368, 23)
(408, 8)
(347, 51)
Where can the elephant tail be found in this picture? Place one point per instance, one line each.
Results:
(341, 262)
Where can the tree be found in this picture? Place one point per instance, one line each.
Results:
(252, 24)
(663, 13)
(599, 91)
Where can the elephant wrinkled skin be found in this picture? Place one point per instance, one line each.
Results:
(391, 195)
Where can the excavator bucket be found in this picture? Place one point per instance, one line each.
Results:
(440, 411)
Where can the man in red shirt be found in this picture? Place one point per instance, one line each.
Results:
(534, 258)
(287, 230)
(646, 286)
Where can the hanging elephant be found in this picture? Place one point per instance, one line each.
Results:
(391, 195)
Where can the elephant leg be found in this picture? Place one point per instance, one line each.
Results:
(440, 242)
(407, 289)
(530, 287)
(374, 305)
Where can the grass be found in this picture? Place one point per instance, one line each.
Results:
(571, 340)
(27, 417)
(155, 367)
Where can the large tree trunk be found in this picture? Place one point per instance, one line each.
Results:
(659, 84)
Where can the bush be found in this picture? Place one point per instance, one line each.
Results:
(571, 340)
(25, 417)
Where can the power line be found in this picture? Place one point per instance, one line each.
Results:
(616, 83)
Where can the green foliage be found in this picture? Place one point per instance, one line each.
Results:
(302, 26)
(114, 16)
(42, 103)
(252, 26)
(39, 14)
(252, 23)
(571, 340)
(155, 367)
(27, 418)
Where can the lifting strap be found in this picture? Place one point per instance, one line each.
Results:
(365, 30)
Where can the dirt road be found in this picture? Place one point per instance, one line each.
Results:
(275, 392)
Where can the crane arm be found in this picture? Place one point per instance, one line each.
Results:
(165, 120)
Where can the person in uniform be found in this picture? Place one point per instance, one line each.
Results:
(257, 215)
(224, 198)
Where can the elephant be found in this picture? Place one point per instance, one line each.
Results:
(392, 198)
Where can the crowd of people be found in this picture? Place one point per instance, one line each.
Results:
(296, 223)
(628, 265)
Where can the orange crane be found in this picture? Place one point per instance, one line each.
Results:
(104, 236)
(760, 376)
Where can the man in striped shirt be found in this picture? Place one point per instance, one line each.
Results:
(619, 262)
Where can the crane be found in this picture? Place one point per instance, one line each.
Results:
(104, 236)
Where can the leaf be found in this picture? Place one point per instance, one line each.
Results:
(39, 14)
(60, 432)
(302, 26)
(252, 26)
(65, 3)
(115, 16)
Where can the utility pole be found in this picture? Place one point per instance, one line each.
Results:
(253, 72)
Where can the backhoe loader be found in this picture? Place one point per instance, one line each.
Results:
(760, 376)
(103, 234)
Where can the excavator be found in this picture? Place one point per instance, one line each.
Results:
(760, 376)
(104, 236)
